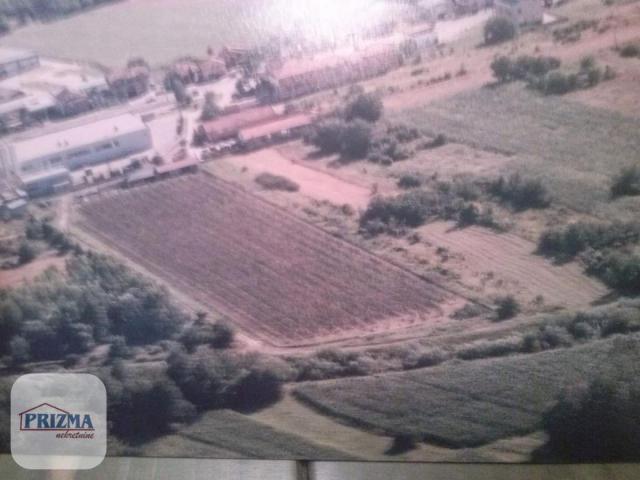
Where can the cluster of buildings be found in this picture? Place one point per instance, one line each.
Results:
(43, 164)
(294, 77)
(193, 70)
(254, 127)
(33, 89)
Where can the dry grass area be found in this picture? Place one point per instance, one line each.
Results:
(314, 183)
(25, 273)
(494, 264)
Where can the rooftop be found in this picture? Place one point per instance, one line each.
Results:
(297, 66)
(277, 126)
(77, 137)
(236, 121)
(13, 54)
(36, 177)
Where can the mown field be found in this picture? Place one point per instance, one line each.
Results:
(574, 148)
(465, 404)
(278, 277)
(227, 434)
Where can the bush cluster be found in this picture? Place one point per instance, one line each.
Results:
(201, 332)
(522, 68)
(498, 30)
(270, 181)
(573, 32)
(567, 242)
(617, 269)
(45, 231)
(225, 380)
(520, 193)
(626, 182)
(409, 180)
(541, 73)
(630, 50)
(351, 139)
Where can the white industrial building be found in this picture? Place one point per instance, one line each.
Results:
(14, 61)
(74, 148)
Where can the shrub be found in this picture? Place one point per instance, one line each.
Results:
(26, 253)
(630, 50)
(556, 83)
(216, 335)
(328, 135)
(498, 30)
(356, 139)
(490, 348)
(619, 270)
(401, 443)
(365, 106)
(410, 209)
(502, 68)
(425, 358)
(438, 141)
(521, 193)
(595, 423)
(469, 310)
(468, 215)
(507, 307)
(627, 182)
(578, 237)
(144, 408)
(409, 181)
(276, 182)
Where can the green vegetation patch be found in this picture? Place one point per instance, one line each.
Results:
(574, 149)
(228, 430)
(466, 404)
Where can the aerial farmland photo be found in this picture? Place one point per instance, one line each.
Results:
(341, 230)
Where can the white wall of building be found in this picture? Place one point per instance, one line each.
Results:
(59, 152)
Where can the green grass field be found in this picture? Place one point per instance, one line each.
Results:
(162, 30)
(463, 404)
(227, 434)
(574, 148)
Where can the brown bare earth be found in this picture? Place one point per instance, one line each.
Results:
(277, 277)
(492, 263)
(26, 273)
(313, 183)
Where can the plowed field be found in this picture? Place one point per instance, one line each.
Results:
(275, 276)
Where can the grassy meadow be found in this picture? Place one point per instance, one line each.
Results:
(227, 434)
(573, 148)
(163, 30)
(465, 404)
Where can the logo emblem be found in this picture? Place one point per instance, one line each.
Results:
(66, 429)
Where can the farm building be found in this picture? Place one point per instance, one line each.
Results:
(77, 147)
(228, 126)
(191, 70)
(150, 173)
(521, 12)
(301, 76)
(14, 61)
(278, 129)
(46, 182)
